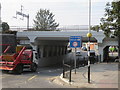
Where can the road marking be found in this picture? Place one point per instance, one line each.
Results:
(2, 77)
(32, 77)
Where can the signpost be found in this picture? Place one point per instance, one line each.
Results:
(75, 42)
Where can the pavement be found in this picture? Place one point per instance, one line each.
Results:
(103, 75)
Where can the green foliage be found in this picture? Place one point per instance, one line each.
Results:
(110, 23)
(9, 32)
(95, 28)
(44, 20)
(5, 27)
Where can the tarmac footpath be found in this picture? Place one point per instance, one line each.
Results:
(102, 75)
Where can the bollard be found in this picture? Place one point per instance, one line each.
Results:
(63, 70)
(70, 75)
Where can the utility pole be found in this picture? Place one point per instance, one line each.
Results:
(23, 15)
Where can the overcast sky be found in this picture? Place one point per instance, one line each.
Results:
(67, 12)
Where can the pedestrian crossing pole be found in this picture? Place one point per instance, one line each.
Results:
(89, 35)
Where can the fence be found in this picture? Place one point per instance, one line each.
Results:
(68, 66)
(67, 71)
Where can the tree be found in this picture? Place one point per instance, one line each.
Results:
(44, 20)
(5, 27)
(110, 23)
(95, 28)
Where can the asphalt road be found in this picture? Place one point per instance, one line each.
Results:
(40, 79)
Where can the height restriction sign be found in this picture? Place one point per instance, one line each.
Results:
(75, 41)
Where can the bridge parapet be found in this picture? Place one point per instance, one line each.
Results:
(58, 35)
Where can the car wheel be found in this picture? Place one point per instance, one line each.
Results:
(18, 69)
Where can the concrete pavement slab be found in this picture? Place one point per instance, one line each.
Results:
(103, 75)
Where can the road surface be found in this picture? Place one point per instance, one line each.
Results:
(40, 79)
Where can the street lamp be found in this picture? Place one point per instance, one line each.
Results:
(89, 35)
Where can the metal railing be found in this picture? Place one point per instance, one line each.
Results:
(69, 66)
(67, 69)
(62, 28)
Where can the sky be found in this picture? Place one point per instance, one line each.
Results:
(67, 12)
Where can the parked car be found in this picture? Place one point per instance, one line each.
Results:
(81, 61)
(84, 48)
(78, 53)
(93, 57)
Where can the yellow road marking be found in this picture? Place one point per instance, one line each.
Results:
(32, 77)
(4, 76)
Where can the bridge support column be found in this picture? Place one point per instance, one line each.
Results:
(33, 46)
(34, 51)
(41, 50)
(100, 50)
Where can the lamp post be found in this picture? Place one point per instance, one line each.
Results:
(27, 21)
(89, 35)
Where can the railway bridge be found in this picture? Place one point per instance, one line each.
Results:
(51, 46)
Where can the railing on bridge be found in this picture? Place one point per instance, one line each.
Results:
(62, 28)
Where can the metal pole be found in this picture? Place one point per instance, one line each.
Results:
(75, 61)
(28, 22)
(89, 60)
(89, 42)
(89, 15)
(70, 75)
(63, 70)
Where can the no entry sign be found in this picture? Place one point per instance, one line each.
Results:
(75, 41)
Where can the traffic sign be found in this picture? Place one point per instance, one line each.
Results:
(75, 41)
